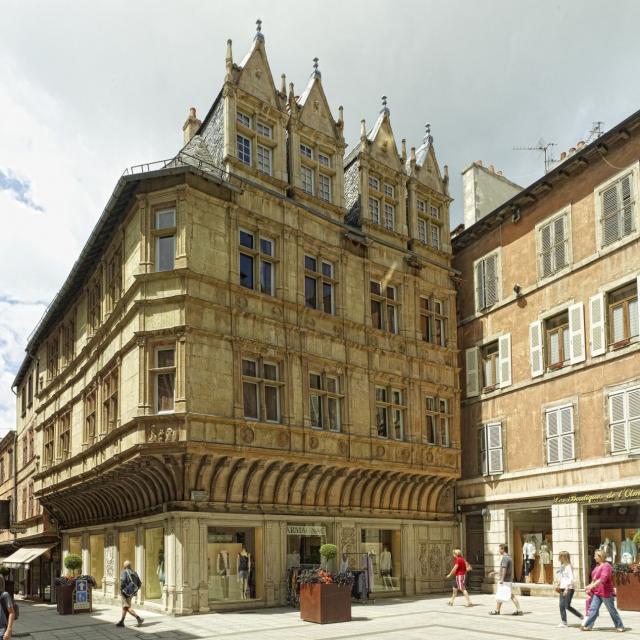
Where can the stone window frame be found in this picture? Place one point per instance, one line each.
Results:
(489, 433)
(90, 414)
(258, 256)
(94, 303)
(260, 381)
(64, 436)
(48, 443)
(439, 419)
(69, 338)
(159, 233)
(391, 408)
(386, 194)
(318, 168)
(325, 395)
(433, 316)
(110, 400)
(381, 297)
(53, 355)
(257, 132)
(155, 371)
(321, 280)
(114, 275)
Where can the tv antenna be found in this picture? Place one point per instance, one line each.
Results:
(545, 147)
(596, 131)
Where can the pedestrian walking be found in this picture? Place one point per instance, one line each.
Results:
(566, 587)
(601, 587)
(505, 578)
(130, 583)
(459, 574)
(7, 612)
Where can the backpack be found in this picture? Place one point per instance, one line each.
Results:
(132, 584)
(16, 609)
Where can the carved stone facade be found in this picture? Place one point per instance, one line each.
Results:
(252, 366)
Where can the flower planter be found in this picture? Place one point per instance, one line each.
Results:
(628, 592)
(324, 603)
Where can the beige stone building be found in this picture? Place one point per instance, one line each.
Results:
(548, 329)
(255, 353)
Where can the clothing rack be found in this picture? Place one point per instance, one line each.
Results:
(361, 566)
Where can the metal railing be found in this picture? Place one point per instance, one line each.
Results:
(182, 159)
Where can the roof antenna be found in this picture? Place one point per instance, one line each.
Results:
(596, 131)
(545, 147)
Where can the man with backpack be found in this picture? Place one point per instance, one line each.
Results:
(129, 585)
(7, 612)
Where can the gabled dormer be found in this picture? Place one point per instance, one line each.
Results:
(375, 182)
(316, 146)
(427, 199)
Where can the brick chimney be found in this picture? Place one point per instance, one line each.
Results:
(191, 125)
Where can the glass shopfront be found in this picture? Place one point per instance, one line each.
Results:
(96, 555)
(613, 528)
(75, 545)
(532, 546)
(383, 550)
(234, 562)
(154, 563)
(127, 549)
(304, 542)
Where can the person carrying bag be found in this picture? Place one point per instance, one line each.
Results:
(8, 612)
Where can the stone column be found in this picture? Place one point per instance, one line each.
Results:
(409, 560)
(139, 563)
(569, 535)
(203, 585)
(495, 533)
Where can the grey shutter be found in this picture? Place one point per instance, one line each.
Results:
(576, 333)
(472, 371)
(480, 302)
(494, 446)
(553, 453)
(546, 265)
(560, 242)
(482, 451)
(491, 280)
(610, 215)
(617, 422)
(535, 348)
(597, 325)
(566, 429)
(504, 360)
(626, 193)
(633, 403)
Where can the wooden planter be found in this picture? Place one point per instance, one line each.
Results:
(628, 590)
(324, 603)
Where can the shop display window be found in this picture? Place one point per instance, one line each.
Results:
(96, 554)
(127, 549)
(75, 545)
(304, 542)
(234, 563)
(154, 577)
(612, 528)
(382, 548)
(532, 546)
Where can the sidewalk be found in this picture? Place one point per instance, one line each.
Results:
(397, 619)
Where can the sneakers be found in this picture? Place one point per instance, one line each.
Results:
(120, 624)
(561, 625)
(517, 613)
(140, 621)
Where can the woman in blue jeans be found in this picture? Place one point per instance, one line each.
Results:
(566, 587)
(602, 588)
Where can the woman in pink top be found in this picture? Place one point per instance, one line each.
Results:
(601, 587)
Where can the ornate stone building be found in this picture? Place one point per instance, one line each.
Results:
(254, 354)
(548, 323)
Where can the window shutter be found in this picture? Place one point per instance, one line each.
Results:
(482, 451)
(634, 418)
(576, 333)
(471, 366)
(553, 455)
(546, 267)
(560, 242)
(535, 348)
(610, 209)
(628, 225)
(566, 428)
(597, 325)
(480, 303)
(504, 358)
(491, 279)
(494, 444)
(617, 423)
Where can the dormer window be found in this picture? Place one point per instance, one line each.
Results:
(389, 191)
(244, 119)
(429, 225)
(306, 151)
(435, 213)
(422, 207)
(389, 216)
(244, 149)
(382, 203)
(374, 183)
(264, 130)
(264, 159)
(316, 174)
(306, 177)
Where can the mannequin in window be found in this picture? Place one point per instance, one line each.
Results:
(610, 550)
(243, 568)
(160, 568)
(222, 567)
(344, 563)
(628, 551)
(386, 568)
(546, 557)
(528, 557)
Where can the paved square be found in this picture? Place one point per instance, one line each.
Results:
(396, 618)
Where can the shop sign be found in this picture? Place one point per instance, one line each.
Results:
(306, 530)
(604, 496)
(220, 537)
(82, 595)
(200, 496)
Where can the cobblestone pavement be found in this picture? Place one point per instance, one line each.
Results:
(396, 619)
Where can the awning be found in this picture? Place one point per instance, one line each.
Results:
(25, 555)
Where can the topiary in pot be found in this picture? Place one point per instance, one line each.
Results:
(328, 552)
(73, 562)
(636, 538)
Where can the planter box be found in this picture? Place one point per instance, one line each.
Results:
(324, 603)
(628, 590)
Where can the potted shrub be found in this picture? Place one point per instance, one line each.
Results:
(8, 584)
(627, 581)
(328, 552)
(325, 598)
(73, 563)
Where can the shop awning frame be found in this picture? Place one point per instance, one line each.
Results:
(26, 555)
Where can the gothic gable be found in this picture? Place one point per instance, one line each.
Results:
(314, 109)
(383, 146)
(255, 77)
(427, 168)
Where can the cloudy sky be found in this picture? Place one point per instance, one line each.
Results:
(89, 88)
